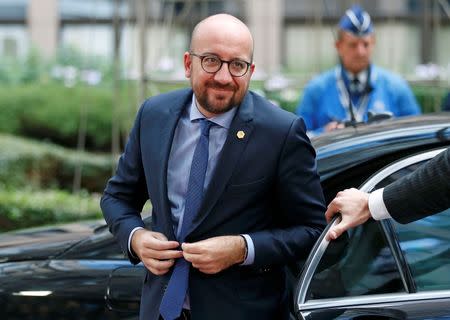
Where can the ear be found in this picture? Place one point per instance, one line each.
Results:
(252, 69)
(337, 44)
(187, 64)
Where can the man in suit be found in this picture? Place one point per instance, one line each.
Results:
(424, 192)
(261, 201)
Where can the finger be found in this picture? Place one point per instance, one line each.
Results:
(210, 270)
(193, 248)
(336, 231)
(331, 210)
(160, 264)
(163, 254)
(157, 272)
(195, 258)
(157, 244)
(159, 236)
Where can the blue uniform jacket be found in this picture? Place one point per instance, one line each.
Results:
(325, 98)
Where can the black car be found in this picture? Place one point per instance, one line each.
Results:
(380, 270)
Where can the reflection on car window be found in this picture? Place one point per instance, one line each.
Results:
(398, 174)
(426, 246)
(359, 264)
(425, 243)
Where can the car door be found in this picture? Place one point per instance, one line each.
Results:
(381, 269)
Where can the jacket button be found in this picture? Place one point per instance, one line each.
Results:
(165, 288)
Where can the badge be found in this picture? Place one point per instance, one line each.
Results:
(240, 134)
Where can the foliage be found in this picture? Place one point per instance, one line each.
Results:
(429, 97)
(15, 71)
(55, 113)
(43, 165)
(22, 208)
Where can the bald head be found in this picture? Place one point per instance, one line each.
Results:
(222, 29)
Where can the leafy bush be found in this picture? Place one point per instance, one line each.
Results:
(54, 112)
(23, 208)
(429, 97)
(15, 71)
(43, 165)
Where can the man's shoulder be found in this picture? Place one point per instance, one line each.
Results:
(382, 74)
(322, 80)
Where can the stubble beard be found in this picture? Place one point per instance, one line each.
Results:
(216, 103)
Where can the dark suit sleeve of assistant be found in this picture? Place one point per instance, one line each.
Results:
(125, 193)
(299, 214)
(424, 192)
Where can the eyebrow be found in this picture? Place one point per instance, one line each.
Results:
(235, 58)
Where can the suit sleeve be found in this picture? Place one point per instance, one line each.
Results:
(424, 192)
(300, 206)
(125, 193)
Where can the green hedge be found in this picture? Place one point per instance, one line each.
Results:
(23, 208)
(53, 112)
(429, 97)
(44, 165)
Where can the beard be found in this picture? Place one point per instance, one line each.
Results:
(216, 102)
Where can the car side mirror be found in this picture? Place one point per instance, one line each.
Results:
(375, 117)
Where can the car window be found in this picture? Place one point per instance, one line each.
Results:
(426, 246)
(358, 263)
(425, 243)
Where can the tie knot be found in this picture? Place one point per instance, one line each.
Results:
(355, 85)
(205, 126)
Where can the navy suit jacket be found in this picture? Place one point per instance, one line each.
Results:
(265, 185)
(424, 192)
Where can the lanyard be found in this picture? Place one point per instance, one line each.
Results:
(359, 109)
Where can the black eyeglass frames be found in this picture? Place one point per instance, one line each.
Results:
(212, 63)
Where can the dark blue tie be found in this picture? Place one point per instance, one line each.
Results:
(173, 299)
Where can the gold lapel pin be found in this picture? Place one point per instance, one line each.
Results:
(240, 134)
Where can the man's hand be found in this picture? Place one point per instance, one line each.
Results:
(354, 208)
(155, 251)
(333, 125)
(215, 254)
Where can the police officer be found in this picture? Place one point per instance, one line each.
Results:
(355, 86)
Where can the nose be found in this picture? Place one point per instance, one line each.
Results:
(223, 74)
(361, 49)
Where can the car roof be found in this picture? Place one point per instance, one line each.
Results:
(342, 149)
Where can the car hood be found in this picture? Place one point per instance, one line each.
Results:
(43, 242)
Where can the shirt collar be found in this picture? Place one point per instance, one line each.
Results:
(223, 119)
(362, 76)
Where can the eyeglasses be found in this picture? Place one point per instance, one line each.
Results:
(212, 63)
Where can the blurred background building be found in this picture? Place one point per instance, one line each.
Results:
(292, 37)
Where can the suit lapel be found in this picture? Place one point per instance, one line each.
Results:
(237, 138)
(167, 125)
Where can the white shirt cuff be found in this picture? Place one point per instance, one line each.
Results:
(250, 251)
(129, 241)
(377, 207)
